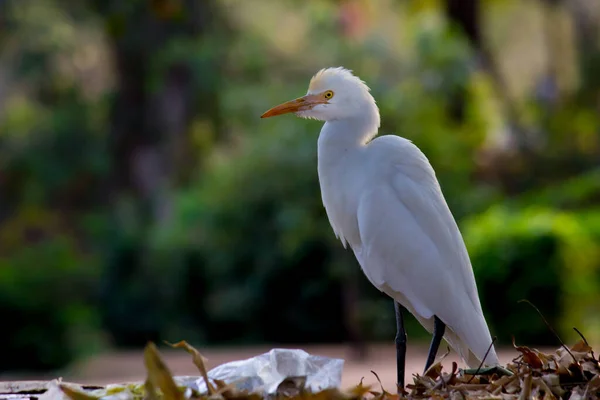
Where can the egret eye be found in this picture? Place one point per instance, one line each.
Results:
(328, 94)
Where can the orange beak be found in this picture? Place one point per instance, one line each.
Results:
(293, 106)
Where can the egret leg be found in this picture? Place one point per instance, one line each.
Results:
(400, 346)
(438, 333)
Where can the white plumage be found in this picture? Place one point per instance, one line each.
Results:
(383, 200)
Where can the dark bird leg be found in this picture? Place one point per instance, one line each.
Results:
(400, 346)
(438, 333)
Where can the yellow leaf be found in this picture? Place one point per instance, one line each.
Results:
(75, 394)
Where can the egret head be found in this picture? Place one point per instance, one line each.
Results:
(333, 93)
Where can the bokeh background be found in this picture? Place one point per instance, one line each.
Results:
(142, 197)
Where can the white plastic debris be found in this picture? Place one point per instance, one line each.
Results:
(53, 391)
(265, 372)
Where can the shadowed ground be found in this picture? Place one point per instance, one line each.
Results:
(128, 366)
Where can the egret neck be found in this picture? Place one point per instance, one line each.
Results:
(339, 136)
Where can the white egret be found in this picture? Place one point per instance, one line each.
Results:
(383, 199)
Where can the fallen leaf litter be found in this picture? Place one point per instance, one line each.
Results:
(568, 373)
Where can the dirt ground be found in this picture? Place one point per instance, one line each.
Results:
(128, 366)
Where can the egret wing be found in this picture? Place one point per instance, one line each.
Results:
(412, 249)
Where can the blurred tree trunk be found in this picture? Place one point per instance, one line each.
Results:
(5, 31)
(466, 15)
(158, 93)
(168, 71)
(586, 16)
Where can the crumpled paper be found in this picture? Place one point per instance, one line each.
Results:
(265, 372)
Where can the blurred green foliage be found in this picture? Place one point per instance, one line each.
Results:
(46, 293)
(141, 197)
(546, 256)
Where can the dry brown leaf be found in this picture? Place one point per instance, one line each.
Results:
(150, 391)
(457, 395)
(199, 360)
(360, 390)
(291, 386)
(159, 375)
(435, 371)
(529, 356)
(594, 384)
(581, 347)
(327, 394)
(553, 382)
(514, 387)
(227, 390)
(541, 384)
(578, 394)
(526, 387)
(451, 379)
